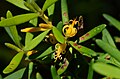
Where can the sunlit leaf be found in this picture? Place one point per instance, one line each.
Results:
(51, 9)
(64, 10)
(13, 47)
(90, 71)
(46, 52)
(30, 69)
(106, 37)
(30, 7)
(16, 75)
(18, 19)
(34, 21)
(63, 67)
(19, 3)
(36, 7)
(114, 52)
(60, 26)
(38, 76)
(54, 73)
(33, 43)
(92, 33)
(14, 63)
(112, 20)
(82, 49)
(59, 37)
(107, 70)
(47, 4)
(28, 38)
(12, 31)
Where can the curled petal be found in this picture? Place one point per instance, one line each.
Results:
(69, 31)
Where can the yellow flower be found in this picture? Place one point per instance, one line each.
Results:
(42, 27)
(69, 30)
(60, 49)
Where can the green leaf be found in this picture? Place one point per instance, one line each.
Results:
(28, 38)
(112, 20)
(106, 37)
(59, 37)
(12, 31)
(60, 26)
(34, 21)
(45, 53)
(114, 52)
(19, 19)
(63, 67)
(36, 7)
(33, 43)
(13, 47)
(16, 75)
(38, 76)
(107, 70)
(47, 4)
(92, 33)
(1, 76)
(30, 70)
(51, 9)
(64, 10)
(31, 8)
(14, 63)
(54, 73)
(19, 3)
(90, 71)
(83, 50)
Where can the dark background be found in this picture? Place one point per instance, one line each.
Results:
(91, 10)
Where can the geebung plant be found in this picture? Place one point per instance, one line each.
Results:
(56, 46)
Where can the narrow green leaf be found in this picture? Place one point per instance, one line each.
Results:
(92, 33)
(59, 37)
(47, 4)
(113, 21)
(12, 31)
(64, 10)
(13, 47)
(14, 63)
(36, 7)
(90, 71)
(38, 76)
(114, 52)
(63, 67)
(60, 26)
(33, 43)
(30, 70)
(19, 3)
(51, 9)
(34, 21)
(18, 19)
(28, 38)
(45, 53)
(1, 76)
(106, 37)
(31, 8)
(16, 75)
(83, 50)
(107, 70)
(54, 73)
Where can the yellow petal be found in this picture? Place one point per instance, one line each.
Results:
(46, 26)
(33, 29)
